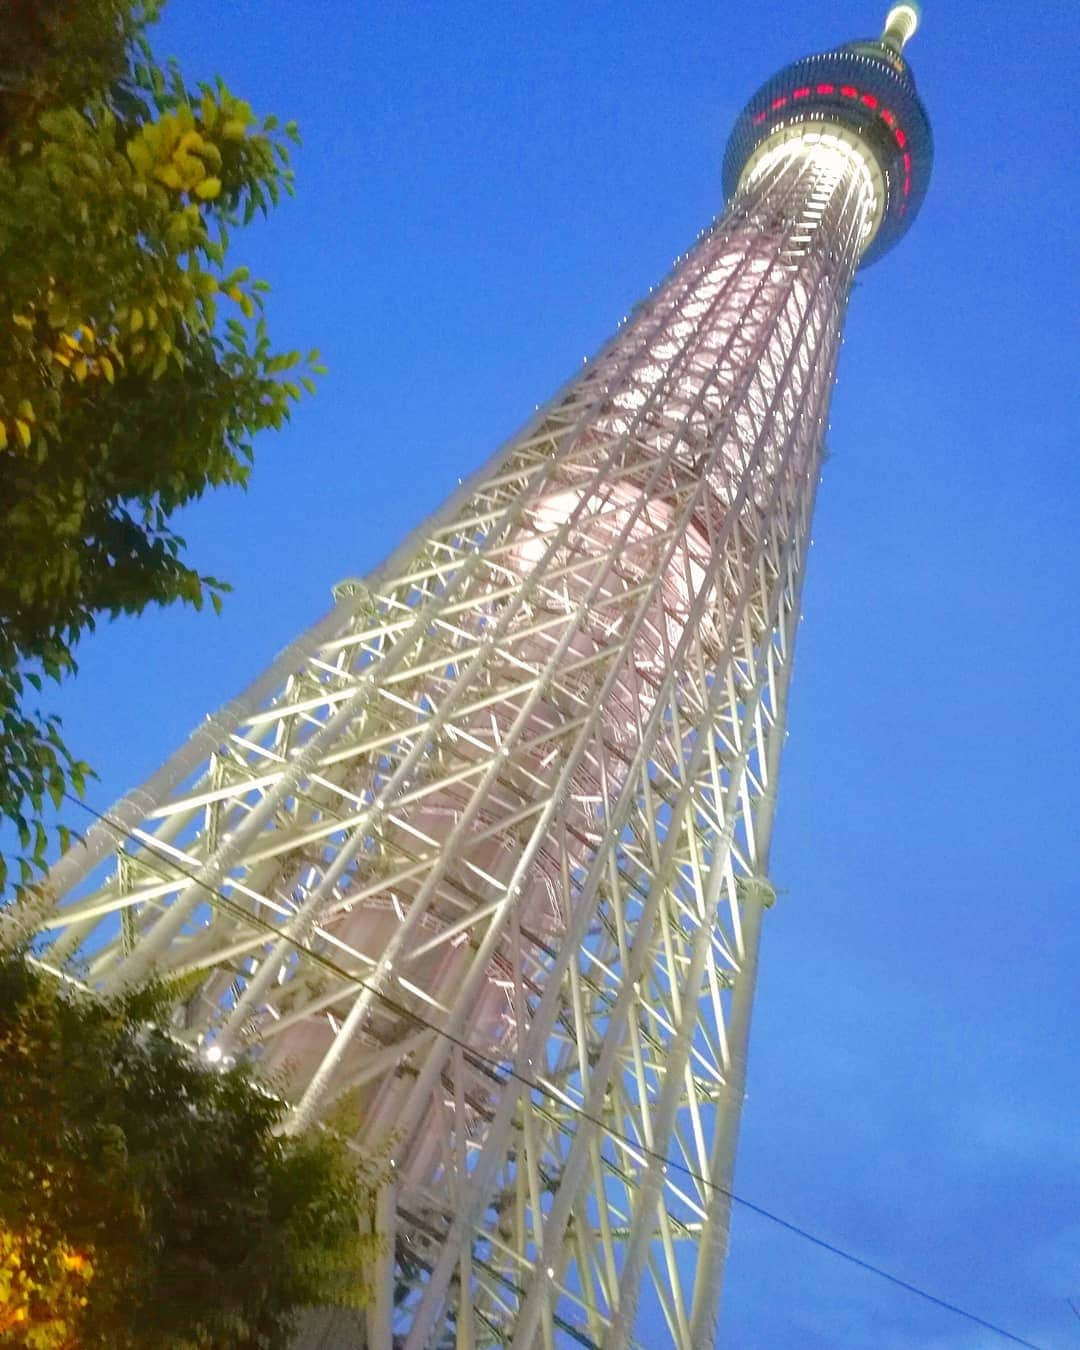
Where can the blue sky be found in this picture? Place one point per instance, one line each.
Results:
(483, 191)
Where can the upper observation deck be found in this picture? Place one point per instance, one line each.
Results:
(862, 93)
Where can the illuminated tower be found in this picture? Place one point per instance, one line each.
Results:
(487, 848)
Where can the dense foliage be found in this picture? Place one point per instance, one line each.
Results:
(135, 365)
(146, 1201)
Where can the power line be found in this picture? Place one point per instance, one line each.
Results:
(502, 1074)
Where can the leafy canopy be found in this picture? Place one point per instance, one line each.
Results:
(148, 1202)
(135, 362)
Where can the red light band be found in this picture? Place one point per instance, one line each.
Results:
(869, 101)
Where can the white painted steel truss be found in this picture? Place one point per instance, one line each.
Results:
(488, 847)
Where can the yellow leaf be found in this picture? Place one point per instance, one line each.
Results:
(107, 366)
(136, 320)
(138, 151)
(81, 369)
(23, 430)
(191, 170)
(233, 129)
(168, 132)
(168, 174)
(208, 189)
(3, 436)
(26, 409)
(22, 321)
(191, 143)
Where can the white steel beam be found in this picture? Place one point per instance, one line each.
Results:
(487, 849)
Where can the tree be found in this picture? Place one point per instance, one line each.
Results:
(135, 363)
(147, 1201)
(42, 1289)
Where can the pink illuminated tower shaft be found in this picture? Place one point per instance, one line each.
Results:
(485, 853)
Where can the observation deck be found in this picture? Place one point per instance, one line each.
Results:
(862, 94)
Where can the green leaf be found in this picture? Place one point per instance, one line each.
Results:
(117, 253)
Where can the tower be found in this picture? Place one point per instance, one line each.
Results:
(486, 850)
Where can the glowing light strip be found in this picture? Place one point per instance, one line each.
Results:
(849, 91)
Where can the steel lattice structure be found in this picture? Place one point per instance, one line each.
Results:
(488, 846)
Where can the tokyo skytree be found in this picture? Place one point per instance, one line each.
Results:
(485, 852)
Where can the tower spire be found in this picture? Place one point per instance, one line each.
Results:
(900, 25)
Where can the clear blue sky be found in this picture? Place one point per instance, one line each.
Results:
(483, 191)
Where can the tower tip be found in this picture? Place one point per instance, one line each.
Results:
(900, 25)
